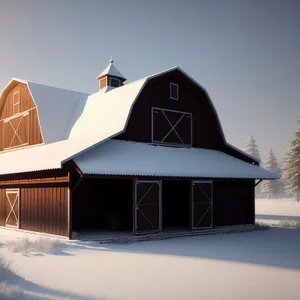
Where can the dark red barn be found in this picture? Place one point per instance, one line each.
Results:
(148, 156)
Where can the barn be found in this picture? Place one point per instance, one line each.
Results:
(133, 158)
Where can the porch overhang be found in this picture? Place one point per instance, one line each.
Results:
(127, 158)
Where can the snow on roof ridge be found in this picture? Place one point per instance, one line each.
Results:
(56, 87)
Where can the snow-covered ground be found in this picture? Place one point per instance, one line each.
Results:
(274, 210)
(254, 265)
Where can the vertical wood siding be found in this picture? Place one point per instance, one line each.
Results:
(45, 210)
(233, 202)
(206, 130)
(26, 122)
(2, 207)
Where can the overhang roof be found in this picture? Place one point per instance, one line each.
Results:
(117, 157)
(35, 158)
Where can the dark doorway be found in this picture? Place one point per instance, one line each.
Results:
(103, 204)
(175, 205)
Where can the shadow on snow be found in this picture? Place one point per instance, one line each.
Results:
(276, 247)
(37, 292)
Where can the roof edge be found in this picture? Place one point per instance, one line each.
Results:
(244, 153)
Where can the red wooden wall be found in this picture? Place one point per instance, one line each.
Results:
(21, 128)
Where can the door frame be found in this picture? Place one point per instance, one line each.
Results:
(183, 113)
(13, 191)
(193, 182)
(135, 207)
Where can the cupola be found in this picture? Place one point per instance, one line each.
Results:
(110, 78)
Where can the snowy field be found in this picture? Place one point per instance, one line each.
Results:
(255, 265)
(273, 211)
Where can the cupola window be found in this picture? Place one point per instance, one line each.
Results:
(115, 82)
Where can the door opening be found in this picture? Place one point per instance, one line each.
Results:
(176, 205)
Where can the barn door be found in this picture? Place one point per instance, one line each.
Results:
(202, 204)
(171, 127)
(147, 207)
(12, 207)
(16, 131)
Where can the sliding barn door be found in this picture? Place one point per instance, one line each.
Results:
(171, 127)
(202, 205)
(147, 207)
(12, 207)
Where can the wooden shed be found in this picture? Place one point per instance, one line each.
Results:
(148, 156)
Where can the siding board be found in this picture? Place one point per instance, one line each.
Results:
(44, 210)
(25, 121)
(2, 207)
(233, 202)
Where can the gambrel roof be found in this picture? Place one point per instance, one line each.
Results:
(57, 108)
(73, 123)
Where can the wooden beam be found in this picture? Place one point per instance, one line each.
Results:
(70, 207)
(77, 184)
(37, 185)
(259, 181)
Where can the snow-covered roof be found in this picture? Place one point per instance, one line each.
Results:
(244, 153)
(117, 157)
(106, 114)
(35, 158)
(57, 108)
(74, 122)
(111, 70)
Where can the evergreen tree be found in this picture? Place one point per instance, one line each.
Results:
(291, 166)
(251, 147)
(270, 188)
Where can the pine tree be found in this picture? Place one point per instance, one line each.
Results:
(252, 149)
(270, 188)
(291, 166)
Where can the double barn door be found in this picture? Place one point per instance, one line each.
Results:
(148, 206)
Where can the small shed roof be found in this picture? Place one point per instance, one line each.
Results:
(116, 157)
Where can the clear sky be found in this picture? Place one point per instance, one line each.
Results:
(245, 53)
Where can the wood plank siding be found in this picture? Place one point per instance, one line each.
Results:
(205, 128)
(44, 210)
(19, 124)
(44, 201)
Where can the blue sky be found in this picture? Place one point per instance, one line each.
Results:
(245, 53)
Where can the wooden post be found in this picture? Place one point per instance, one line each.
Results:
(69, 206)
